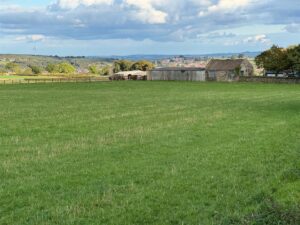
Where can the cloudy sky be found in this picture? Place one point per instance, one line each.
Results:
(123, 27)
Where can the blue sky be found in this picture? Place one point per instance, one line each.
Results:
(123, 27)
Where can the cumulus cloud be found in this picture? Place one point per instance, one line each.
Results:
(260, 38)
(72, 4)
(31, 38)
(226, 6)
(146, 11)
(158, 20)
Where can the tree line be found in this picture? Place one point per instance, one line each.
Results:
(278, 59)
(67, 68)
(121, 65)
(126, 65)
(63, 67)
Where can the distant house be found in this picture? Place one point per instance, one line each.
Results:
(177, 73)
(130, 75)
(228, 69)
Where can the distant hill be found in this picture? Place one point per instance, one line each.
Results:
(160, 57)
(83, 62)
(43, 61)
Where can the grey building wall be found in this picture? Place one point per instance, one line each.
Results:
(177, 75)
(213, 75)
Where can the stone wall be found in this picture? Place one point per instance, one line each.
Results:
(269, 80)
(221, 76)
(177, 75)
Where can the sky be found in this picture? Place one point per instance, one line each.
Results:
(127, 27)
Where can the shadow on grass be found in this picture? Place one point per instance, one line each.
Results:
(269, 213)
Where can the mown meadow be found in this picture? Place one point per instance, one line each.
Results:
(134, 153)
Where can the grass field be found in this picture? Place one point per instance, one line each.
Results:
(23, 78)
(149, 153)
(17, 77)
(41, 76)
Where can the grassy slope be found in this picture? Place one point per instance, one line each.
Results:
(147, 152)
(43, 61)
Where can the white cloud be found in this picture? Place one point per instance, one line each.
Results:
(158, 20)
(72, 4)
(260, 38)
(31, 38)
(226, 6)
(146, 11)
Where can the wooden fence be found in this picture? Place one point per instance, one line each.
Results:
(52, 80)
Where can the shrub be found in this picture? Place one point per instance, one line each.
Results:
(51, 68)
(35, 69)
(66, 68)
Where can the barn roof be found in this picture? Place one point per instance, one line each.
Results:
(224, 64)
(179, 69)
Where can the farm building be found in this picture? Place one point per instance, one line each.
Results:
(130, 75)
(227, 70)
(178, 73)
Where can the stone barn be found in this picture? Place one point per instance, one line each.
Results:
(178, 74)
(228, 69)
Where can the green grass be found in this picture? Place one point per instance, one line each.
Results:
(5, 77)
(21, 77)
(149, 153)
(50, 76)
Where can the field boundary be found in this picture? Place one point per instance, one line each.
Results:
(52, 80)
(283, 80)
(253, 79)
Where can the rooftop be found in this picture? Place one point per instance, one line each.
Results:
(224, 64)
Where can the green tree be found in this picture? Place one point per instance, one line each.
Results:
(142, 65)
(293, 54)
(66, 68)
(116, 67)
(105, 71)
(274, 59)
(122, 65)
(51, 68)
(35, 69)
(12, 67)
(93, 69)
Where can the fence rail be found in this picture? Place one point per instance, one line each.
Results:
(52, 80)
